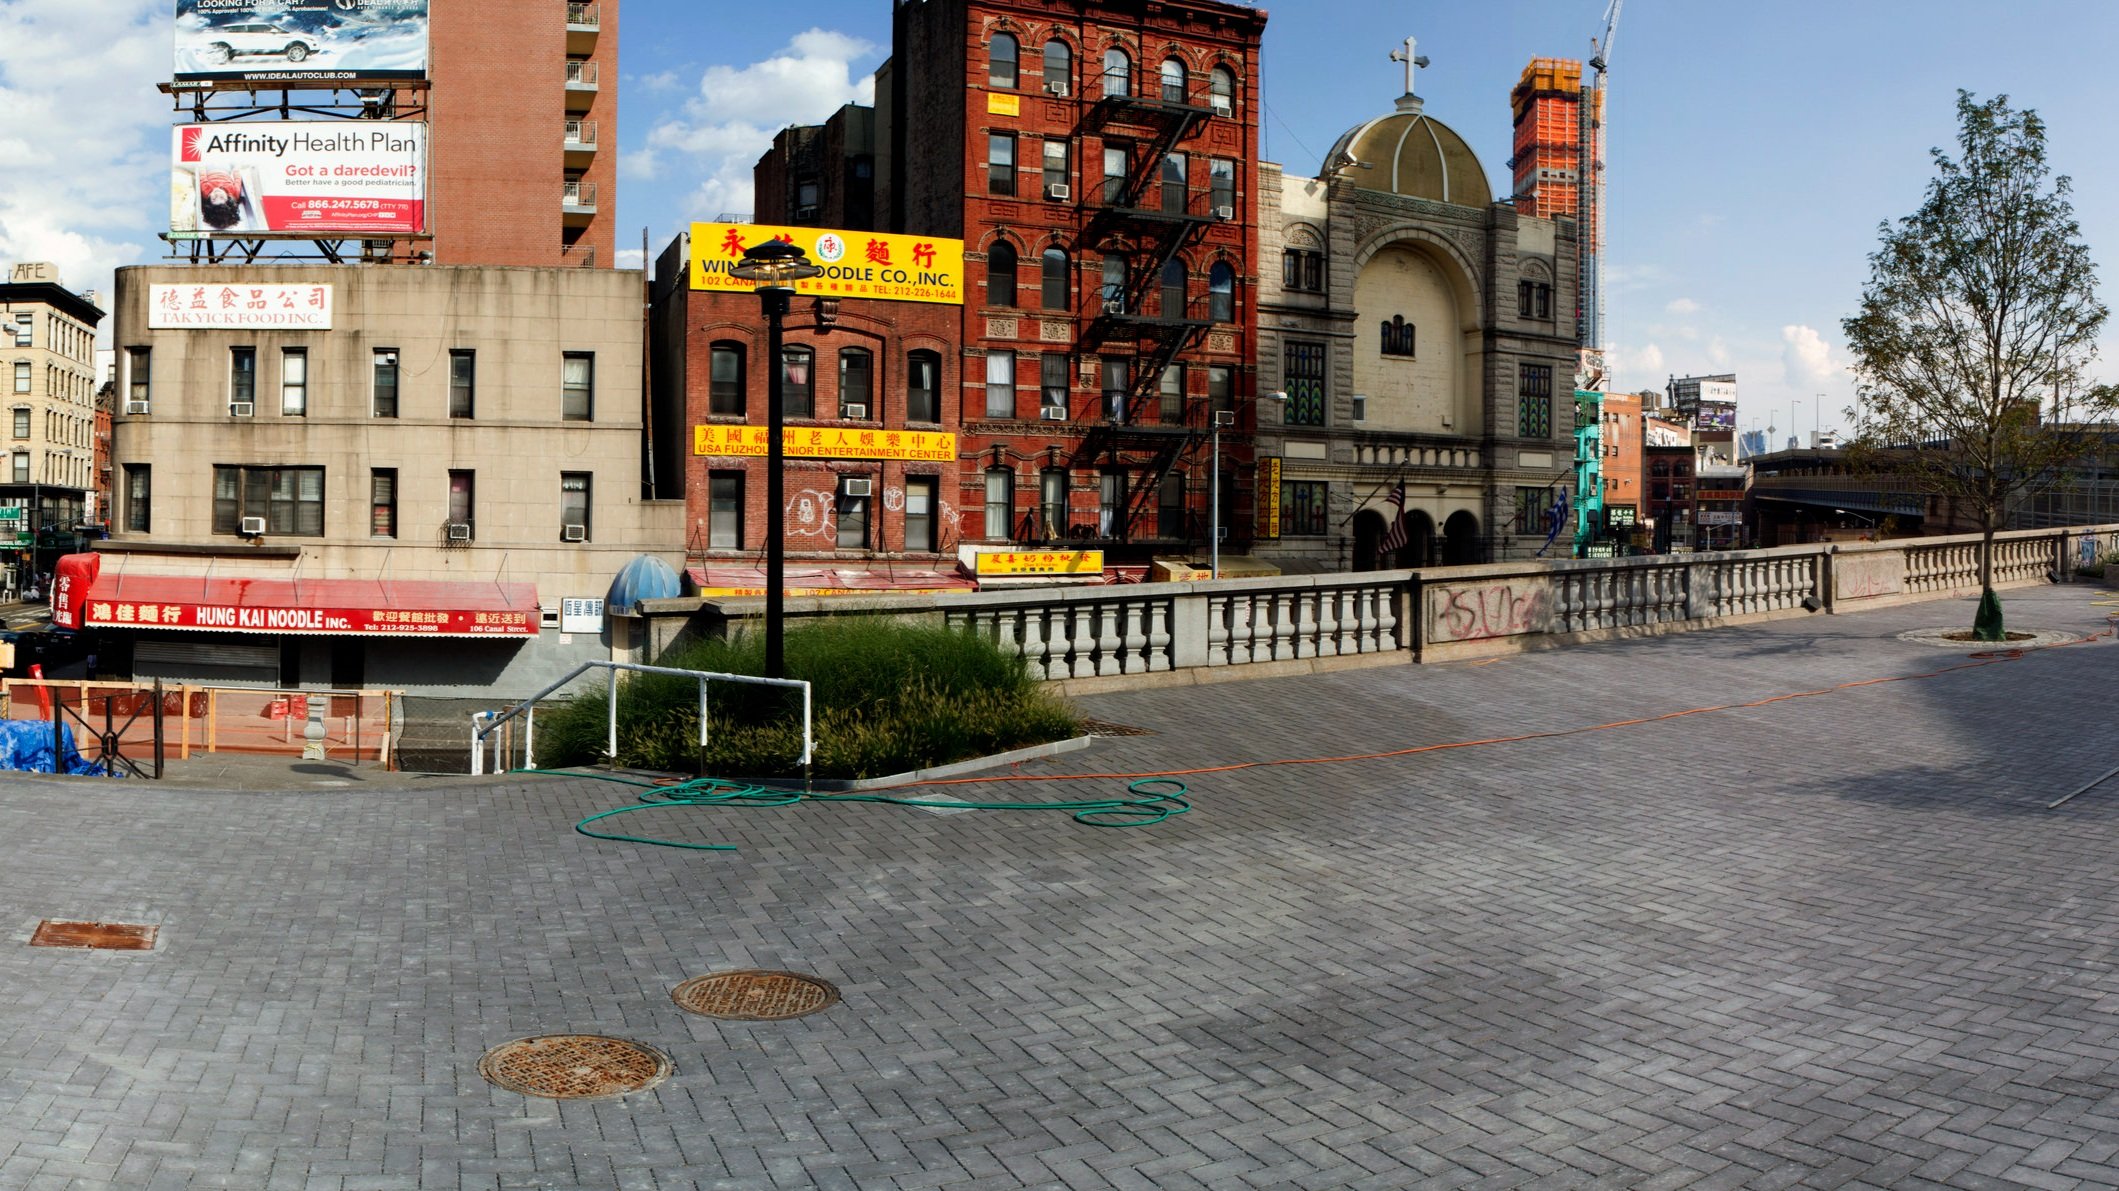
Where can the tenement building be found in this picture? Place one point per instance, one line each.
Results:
(1418, 340)
(47, 352)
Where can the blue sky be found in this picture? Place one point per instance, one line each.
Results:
(1754, 148)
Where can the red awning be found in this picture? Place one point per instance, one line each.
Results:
(737, 579)
(338, 607)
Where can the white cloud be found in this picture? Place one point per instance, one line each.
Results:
(83, 134)
(730, 123)
(1806, 359)
(1682, 306)
(1718, 353)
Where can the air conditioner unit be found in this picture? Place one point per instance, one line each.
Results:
(1053, 413)
(572, 533)
(1114, 306)
(252, 527)
(1224, 106)
(857, 487)
(459, 531)
(1224, 212)
(858, 413)
(136, 407)
(1059, 89)
(1059, 192)
(242, 409)
(1224, 417)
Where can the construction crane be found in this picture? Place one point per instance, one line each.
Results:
(1591, 196)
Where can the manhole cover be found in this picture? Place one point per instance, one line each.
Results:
(755, 996)
(574, 1066)
(104, 936)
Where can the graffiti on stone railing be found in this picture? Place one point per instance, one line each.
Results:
(1867, 576)
(1478, 612)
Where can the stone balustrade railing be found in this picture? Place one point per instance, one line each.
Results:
(1090, 637)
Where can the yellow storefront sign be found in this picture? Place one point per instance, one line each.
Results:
(1042, 562)
(1269, 498)
(876, 265)
(818, 442)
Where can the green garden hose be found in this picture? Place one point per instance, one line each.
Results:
(1155, 799)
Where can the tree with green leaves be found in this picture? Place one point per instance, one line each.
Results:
(1977, 330)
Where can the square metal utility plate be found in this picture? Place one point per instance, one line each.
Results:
(103, 936)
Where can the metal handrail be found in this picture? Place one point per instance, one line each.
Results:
(484, 723)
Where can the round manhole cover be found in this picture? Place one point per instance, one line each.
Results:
(755, 995)
(574, 1066)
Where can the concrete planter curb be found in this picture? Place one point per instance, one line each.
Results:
(1034, 752)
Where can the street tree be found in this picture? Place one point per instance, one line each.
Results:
(1977, 330)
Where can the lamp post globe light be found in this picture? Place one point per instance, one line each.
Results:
(772, 268)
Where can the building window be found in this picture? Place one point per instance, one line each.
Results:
(462, 491)
(20, 472)
(1054, 375)
(1221, 387)
(919, 513)
(21, 421)
(1221, 187)
(1174, 198)
(1534, 401)
(1000, 274)
(923, 386)
(1531, 504)
(577, 383)
(1304, 376)
(25, 324)
(724, 388)
(242, 378)
(1170, 506)
(1001, 62)
(856, 383)
(1000, 384)
(1302, 271)
(1118, 72)
(1059, 67)
(290, 500)
(1000, 163)
(1173, 288)
(1117, 163)
(798, 395)
(1397, 337)
(294, 382)
(1056, 164)
(1052, 501)
(1113, 291)
(1302, 508)
(724, 510)
(382, 502)
(463, 383)
(386, 382)
(1173, 81)
(1533, 299)
(1000, 503)
(139, 496)
(1110, 503)
(1053, 278)
(574, 506)
(1221, 88)
(139, 371)
(1171, 387)
(1118, 383)
(1221, 293)
(22, 375)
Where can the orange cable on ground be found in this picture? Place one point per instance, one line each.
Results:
(1982, 658)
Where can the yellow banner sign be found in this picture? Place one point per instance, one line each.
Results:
(1269, 498)
(856, 264)
(820, 442)
(1042, 562)
(998, 104)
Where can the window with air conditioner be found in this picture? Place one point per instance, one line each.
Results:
(462, 491)
(242, 381)
(138, 374)
(284, 501)
(856, 382)
(851, 513)
(1059, 67)
(251, 527)
(574, 506)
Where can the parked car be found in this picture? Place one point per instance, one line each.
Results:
(260, 39)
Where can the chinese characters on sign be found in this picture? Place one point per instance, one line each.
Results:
(803, 442)
(1042, 562)
(1269, 498)
(379, 621)
(283, 307)
(580, 616)
(856, 264)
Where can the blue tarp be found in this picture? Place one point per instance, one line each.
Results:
(26, 747)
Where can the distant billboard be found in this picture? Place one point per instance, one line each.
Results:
(298, 40)
(855, 264)
(1715, 415)
(329, 177)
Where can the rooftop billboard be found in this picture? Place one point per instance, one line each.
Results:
(323, 177)
(300, 40)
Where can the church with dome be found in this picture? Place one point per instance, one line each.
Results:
(1419, 339)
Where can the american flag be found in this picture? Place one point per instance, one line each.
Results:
(1394, 538)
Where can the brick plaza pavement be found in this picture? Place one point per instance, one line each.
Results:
(1819, 942)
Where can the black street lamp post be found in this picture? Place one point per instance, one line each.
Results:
(773, 267)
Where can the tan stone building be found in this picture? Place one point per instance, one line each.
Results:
(47, 463)
(388, 477)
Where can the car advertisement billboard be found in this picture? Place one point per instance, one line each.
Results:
(328, 177)
(299, 40)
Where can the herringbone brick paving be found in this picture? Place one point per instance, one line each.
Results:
(1822, 942)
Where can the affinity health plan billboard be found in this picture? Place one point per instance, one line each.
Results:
(328, 177)
(856, 264)
(300, 40)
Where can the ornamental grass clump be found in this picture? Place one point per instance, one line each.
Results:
(888, 697)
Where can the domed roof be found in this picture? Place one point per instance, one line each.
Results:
(1413, 154)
